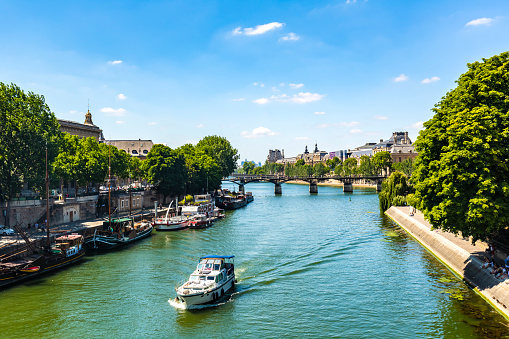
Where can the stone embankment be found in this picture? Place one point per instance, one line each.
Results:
(457, 253)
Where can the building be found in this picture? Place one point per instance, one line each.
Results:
(135, 148)
(275, 155)
(398, 145)
(85, 130)
(313, 158)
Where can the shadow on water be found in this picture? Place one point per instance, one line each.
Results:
(463, 304)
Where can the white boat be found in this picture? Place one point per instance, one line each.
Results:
(171, 224)
(213, 278)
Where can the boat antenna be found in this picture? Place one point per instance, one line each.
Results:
(130, 196)
(109, 182)
(47, 198)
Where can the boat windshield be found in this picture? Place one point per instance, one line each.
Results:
(194, 278)
(210, 278)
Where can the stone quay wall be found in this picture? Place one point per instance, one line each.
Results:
(458, 255)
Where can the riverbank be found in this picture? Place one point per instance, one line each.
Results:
(458, 254)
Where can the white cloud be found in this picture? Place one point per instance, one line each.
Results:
(117, 112)
(417, 125)
(238, 99)
(351, 1)
(275, 89)
(290, 37)
(261, 101)
(120, 122)
(300, 98)
(115, 62)
(258, 84)
(200, 126)
(401, 77)
(296, 86)
(152, 123)
(301, 138)
(428, 80)
(355, 131)
(319, 113)
(73, 111)
(121, 97)
(380, 117)
(257, 30)
(480, 21)
(258, 132)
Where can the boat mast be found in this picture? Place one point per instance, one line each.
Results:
(130, 197)
(47, 198)
(109, 183)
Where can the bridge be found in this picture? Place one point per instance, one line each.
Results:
(277, 180)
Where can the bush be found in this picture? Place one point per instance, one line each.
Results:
(399, 200)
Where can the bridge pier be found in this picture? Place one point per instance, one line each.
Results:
(378, 186)
(278, 190)
(241, 189)
(347, 187)
(313, 187)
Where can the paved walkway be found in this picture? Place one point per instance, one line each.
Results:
(479, 249)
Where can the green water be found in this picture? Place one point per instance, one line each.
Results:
(317, 266)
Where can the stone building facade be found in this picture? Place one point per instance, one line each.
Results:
(135, 148)
(85, 130)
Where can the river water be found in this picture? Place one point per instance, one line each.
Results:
(320, 266)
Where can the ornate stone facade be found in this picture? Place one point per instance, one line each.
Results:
(85, 130)
(136, 148)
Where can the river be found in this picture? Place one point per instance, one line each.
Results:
(320, 266)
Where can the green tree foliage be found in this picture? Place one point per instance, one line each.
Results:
(461, 173)
(406, 166)
(136, 168)
(381, 161)
(202, 170)
(349, 166)
(332, 163)
(26, 126)
(220, 149)
(166, 168)
(394, 190)
(320, 169)
(66, 164)
(366, 167)
(248, 167)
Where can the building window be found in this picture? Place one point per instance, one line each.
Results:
(122, 201)
(145, 151)
(399, 159)
(134, 151)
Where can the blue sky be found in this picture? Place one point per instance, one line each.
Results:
(264, 74)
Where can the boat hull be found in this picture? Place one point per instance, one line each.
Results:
(102, 242)
(52, 263)
(209, 296)
(168, 227)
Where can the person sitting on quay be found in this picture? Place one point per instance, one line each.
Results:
(487, 263)
(496, 269)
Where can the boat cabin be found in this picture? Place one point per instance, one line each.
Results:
(68, 244)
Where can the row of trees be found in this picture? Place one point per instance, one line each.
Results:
(28, 127)
(368, 166)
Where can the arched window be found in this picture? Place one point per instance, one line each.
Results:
(145, 151)
(134, 151)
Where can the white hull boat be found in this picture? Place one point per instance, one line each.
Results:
(212, 280)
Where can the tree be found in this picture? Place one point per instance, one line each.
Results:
(166, 168)
(461, 173)
(27, 126)
(349, 166)
(382, 161)
(220, 149)
(394, 190)
(320, 169)
(203, 172)
(406, 166)
(248, 167)
(366, 166)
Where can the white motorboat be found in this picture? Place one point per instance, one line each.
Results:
(213, 278)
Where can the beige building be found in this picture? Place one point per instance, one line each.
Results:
(135, 148)
(398, 145)
(85, 130)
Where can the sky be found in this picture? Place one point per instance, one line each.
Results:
(263, 74)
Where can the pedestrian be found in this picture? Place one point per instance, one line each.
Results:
(29, 225)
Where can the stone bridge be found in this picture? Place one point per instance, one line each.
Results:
(277, 180)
